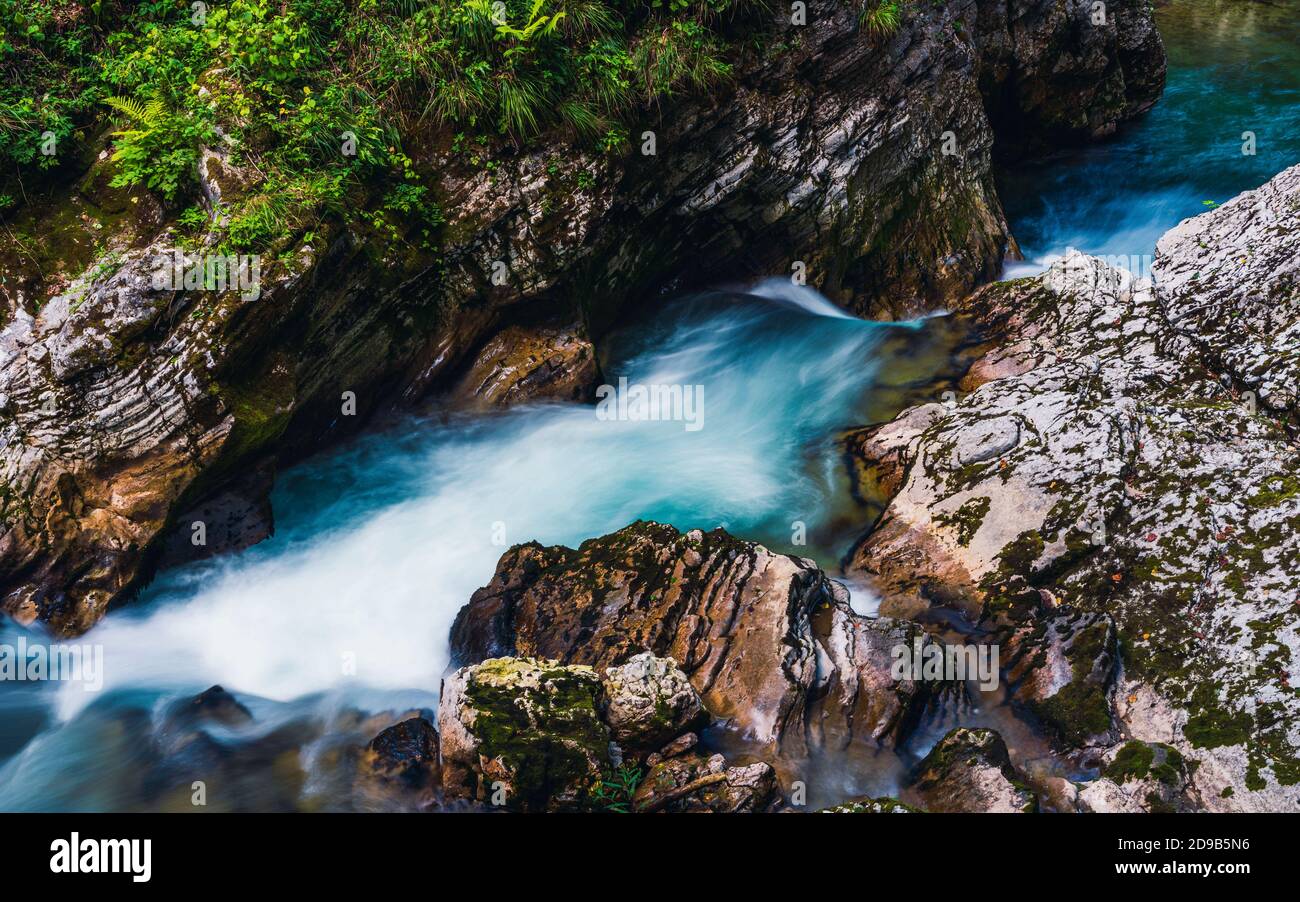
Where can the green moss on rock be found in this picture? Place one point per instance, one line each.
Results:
(541, 722)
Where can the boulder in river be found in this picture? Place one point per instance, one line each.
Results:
(694, 782)
(767, 640)
(969, 770)
(407, 751)
(523, 734)
(649, 702)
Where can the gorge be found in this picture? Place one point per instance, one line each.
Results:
(947, 457)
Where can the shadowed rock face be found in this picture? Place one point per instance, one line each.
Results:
(1151, 485)
(124, 409)
(407, 751)
(767, 640)
(1064, 666)
(1050, 73)
(970, 771)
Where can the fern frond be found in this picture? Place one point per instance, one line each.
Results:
(129, 107)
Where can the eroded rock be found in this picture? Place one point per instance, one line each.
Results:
(523, 733)
(1147, 487)
(969, 770)
(769, 643)
(1063, 668)
(697, 783)
(1140, 777)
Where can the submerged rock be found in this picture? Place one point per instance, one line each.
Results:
(1152, 487)
(215, 705)
(407, 751)
(769, 643)
(970, 771)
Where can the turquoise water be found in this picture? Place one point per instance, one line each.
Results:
(378, 546)
(1234, 67)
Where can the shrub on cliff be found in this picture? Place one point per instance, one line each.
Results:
(319, 99)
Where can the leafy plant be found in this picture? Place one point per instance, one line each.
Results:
(160, 151)
(286, 85)
(616, 789)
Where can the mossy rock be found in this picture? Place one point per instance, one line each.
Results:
(538, 731)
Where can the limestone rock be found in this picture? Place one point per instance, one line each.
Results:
(522, 364)
(524, 731)
(1148, 486)
(885, 805)
(768, 642)
(1140, 777)
(969, 771)
(695, 783)
(649, 702)
(1063, 668)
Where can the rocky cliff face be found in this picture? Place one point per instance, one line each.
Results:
(1118, 493)
(130, 412)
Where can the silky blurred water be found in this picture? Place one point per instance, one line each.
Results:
(349, 605)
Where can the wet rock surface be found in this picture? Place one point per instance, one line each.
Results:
(407, 751)
(769, 642)
(522, 363)
(970, 771)
(1148, 490)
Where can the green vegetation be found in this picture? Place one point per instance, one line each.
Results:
(324, 104)
(1137, 759)
(966, 519)
(1080, 709)
(881, 17)
(616, 788)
